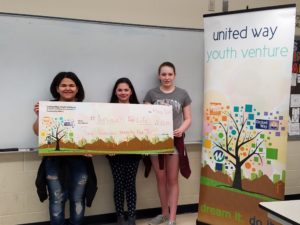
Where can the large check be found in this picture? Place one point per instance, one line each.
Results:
(77, 128)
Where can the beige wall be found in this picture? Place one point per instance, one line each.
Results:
(18, 199)
(243, 4)
(173, 13)
(19, 202)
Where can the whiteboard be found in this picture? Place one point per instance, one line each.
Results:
(34, 49)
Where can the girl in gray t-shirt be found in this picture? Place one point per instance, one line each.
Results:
(167, 178)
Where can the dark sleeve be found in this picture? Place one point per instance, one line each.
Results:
(41, 182)
(91, 186)
(147, 164)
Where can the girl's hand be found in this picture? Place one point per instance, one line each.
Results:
(36, 109)
(88, 155)
(178, 132)
(36, 123)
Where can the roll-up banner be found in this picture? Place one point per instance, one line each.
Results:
(248, 61)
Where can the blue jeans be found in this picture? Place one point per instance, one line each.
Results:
(72, 187)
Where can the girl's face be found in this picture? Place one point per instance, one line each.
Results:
(166, 76)
(67, 90)
(123, 92)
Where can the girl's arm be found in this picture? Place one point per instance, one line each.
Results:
(36, 123)
(187, 119)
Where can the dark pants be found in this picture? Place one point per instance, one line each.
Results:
(124, 175)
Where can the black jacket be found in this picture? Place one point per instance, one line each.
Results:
(91, 186)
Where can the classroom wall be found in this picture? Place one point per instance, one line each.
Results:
(172, 13)
(243, 4)
(19, 202)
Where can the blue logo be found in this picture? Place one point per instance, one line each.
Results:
(219, 156)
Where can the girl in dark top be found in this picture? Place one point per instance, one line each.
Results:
(124, 167)
(66, 177)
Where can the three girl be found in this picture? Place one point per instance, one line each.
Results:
(69, 176)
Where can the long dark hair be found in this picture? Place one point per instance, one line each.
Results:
(133, 98)
(57, 80)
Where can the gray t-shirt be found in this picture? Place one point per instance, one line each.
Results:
(178, 99)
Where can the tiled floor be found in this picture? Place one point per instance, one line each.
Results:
(182, 219)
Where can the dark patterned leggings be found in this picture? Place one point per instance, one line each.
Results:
(124, 175)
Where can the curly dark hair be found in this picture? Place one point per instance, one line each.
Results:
(57, 80)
